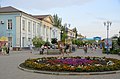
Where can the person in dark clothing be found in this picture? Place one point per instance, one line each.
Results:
(85, 48)
(8, 50)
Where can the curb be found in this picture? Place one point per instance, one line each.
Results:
(69, 73)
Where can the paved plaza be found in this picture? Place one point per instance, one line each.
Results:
(9, 66)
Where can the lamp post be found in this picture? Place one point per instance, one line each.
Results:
(61, 34)
(119, 33)
(108, 23)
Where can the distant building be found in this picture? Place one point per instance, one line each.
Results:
(80, 37)
(21, 27)
(71, 34)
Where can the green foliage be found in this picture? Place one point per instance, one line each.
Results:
(91, 41)
(116, 51)
(4, 48)
(115, 48)
(57, 21)
(77, 42)
(118, 41)
(54, 40)
(37, 42)
(64, 36)
(75, 30)
(47, 43)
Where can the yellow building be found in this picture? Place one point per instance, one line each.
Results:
(71, 35)
(48, 31)
(79, 36)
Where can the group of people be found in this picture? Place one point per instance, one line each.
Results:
(92, 48)
(65, 48)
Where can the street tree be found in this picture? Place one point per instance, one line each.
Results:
(37, 42)
(57, 22)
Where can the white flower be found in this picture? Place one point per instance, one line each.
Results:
(110, 63)
(97, 64)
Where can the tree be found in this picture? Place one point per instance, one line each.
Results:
(57, 22)
(77, 42)
(37, 42)
(118, 41)
(64, 30)
(64, 36)
(75, 30)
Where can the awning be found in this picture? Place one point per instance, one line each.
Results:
(3, 38)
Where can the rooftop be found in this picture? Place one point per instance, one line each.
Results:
(9, 9)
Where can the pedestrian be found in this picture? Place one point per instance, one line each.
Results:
(41, 49)
(85, 48)
(7, 50)
(0, 51)
(62, 48)
(30, 48)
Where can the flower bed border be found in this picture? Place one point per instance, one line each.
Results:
(68, 73)
(31, 65)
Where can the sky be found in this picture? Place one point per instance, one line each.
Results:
(88, 16)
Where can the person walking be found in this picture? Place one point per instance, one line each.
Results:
(85, 48)
(62, 48)
(41, 49)
(31, 48)
(8, 50)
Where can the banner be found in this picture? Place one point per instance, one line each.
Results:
(108, 43)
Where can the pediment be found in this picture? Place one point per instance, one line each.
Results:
(49, 19)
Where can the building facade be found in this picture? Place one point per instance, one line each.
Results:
(71, 34)
(21, 28)
(49, 31)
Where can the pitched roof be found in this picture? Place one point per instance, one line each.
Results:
(9, 9)
(44, 18)
(41, 17)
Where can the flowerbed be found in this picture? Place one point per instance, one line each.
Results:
(73, 64)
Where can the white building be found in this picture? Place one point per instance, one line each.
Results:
(21, 27)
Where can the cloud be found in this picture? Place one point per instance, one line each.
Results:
(45, 4)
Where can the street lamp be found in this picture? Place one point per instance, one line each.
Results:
(61, 34)
(119, 33)
(108, 23)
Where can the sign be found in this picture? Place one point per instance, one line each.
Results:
(108, 43)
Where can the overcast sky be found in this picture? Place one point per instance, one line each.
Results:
(86, 15)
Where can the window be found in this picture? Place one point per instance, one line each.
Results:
(43, 30)
(33, 27)
(23, 24)
(38, 29)
(29, 25)
(23, 41)
(29, 39)
(9, 23)
(46, 31)
(53, 33)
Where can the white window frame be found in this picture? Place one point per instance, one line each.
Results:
(29, 26)
(9, 24)
(23, 24)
